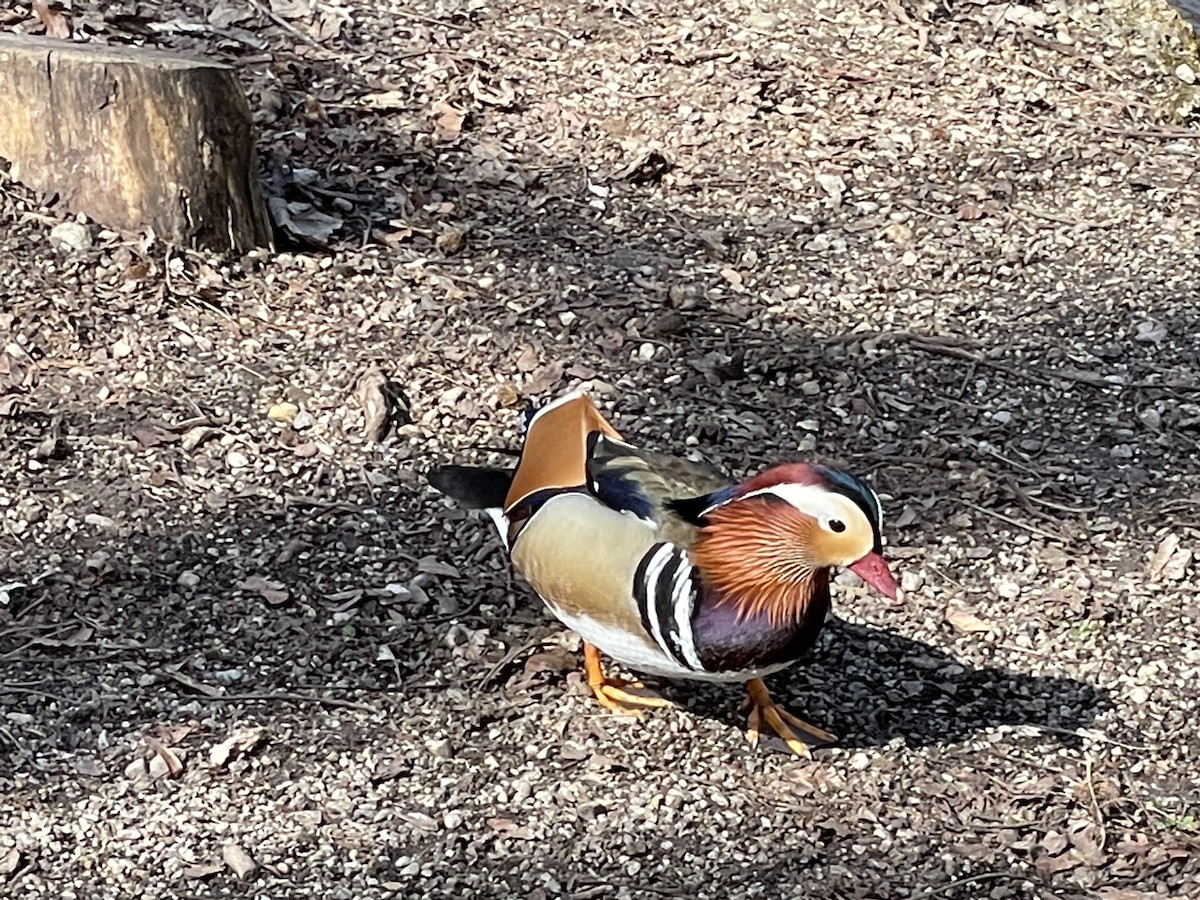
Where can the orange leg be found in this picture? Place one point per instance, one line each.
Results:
(624, 697)
(764, 709)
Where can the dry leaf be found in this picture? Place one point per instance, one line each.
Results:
(225, 14)
(433, 566)
(10, 862)
(274, 592)
(190, 683)
(1177, 566)
(8, 405)
(392, 768)
(387, 100)
(294, 9)
(507, 395)
(150, 434)
(240, 742)
(239, 860)
(202, 870)
(969, 212)
(528, 360)
(1048, 865)
(372, 397)
(556, 660)
(303, 221)
(501, 94)
(447, 126)
(450, 241)
(509, 828)
(85, 765)
(1169, 562)
(965, 621)
(51, 446)
(544, 379)
(170, 760)
(170, 735)
(51, 16)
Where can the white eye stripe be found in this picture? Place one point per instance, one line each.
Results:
(820, 503)
(878, 507)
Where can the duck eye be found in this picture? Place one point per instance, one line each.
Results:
(837, 525)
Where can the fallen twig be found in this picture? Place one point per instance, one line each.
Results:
(510, 658)
(289, 697)
(959, 882)
(1015, 522)
(1095, 803)
(298, 33)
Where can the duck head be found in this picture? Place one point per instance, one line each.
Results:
(766, 543)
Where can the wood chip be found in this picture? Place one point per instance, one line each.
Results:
(242, 864)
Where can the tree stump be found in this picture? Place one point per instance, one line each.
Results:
(134, 139)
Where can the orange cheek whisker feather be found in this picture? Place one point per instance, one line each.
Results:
(762, 570)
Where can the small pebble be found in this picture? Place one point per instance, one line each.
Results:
(283, 413)
(440, 747)
(71, 235)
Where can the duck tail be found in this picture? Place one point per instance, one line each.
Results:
(475, 487)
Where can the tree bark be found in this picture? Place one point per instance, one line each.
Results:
(135, 139)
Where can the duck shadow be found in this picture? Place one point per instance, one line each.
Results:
(870, 686)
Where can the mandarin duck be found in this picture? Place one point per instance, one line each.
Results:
(666, 567)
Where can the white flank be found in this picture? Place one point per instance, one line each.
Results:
(642, 656)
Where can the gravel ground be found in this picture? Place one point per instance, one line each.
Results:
(952, 246)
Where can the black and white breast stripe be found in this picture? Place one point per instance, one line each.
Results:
(665, 591)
